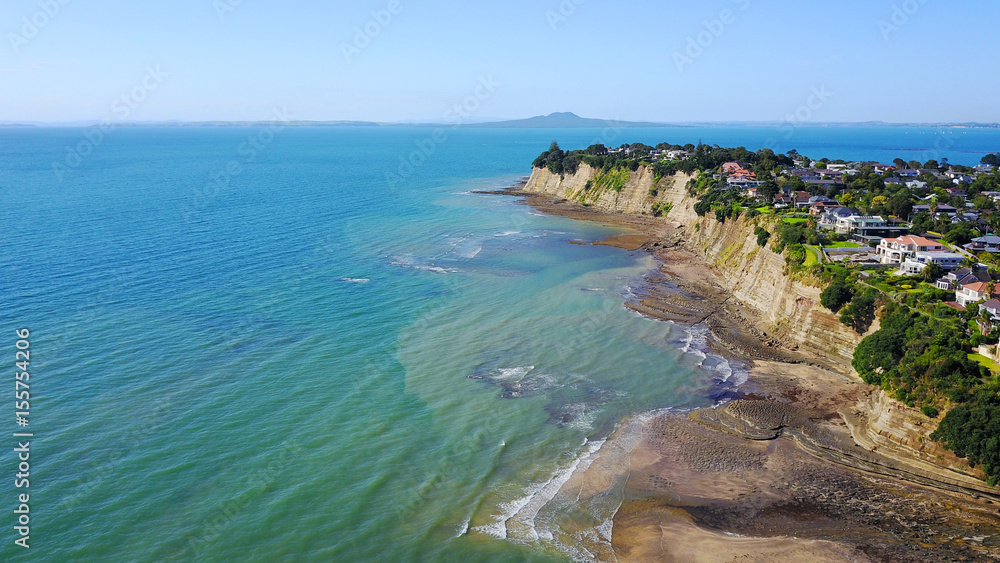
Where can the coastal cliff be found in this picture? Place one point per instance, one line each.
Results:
(755, 276)
(783, 310)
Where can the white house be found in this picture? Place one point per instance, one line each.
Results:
(971, 293)
(920, 260)
(895, 250)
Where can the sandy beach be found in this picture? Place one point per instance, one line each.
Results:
(777, 474)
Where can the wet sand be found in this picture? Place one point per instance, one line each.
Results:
(776, 474)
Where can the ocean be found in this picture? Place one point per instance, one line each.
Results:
(319, 344)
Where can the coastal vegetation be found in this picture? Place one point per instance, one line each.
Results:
(925, 352)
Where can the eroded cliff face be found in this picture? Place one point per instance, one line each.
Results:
(790, 310)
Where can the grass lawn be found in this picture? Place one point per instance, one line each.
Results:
(812, 256)
(984, 361)
(842, 245)
(765, 210)
(794, 221)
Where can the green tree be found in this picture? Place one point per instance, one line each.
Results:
(860, 313)
(554, 159)
(879, 354)
(836, 296)
(961, 233)
(972, 431)
(932, 273)
(899, 204)
(767, 190)
(991, 159)
(762, 236)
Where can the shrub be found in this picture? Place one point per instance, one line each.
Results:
(972, 431)
(860, 314)
(929, 411)
(836, 296)
(762, 236)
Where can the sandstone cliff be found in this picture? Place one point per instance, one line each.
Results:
(755, 276)
(789, 311)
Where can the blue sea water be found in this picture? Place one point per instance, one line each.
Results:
(327, 348)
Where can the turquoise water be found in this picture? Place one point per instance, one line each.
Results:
(311, 362)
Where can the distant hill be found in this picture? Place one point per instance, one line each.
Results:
(563, 120)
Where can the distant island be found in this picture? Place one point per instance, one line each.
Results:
(565, 120)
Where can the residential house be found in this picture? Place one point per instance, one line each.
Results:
(822, 183)
(895, 250)
(988, 243)
(968, 217)
(869, 229)
(963, 276)
(828, 220)
(909, 173)
(960, 192)
(941, 208)
(992, 307)
(916, 184)
(821, 207)
(915, 264)
(801, 199)
(960, 179)
(973, 292)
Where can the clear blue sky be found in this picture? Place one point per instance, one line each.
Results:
(606, 59)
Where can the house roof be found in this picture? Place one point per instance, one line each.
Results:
(978, 287)
(994, 240)
(991, 304)
(914, 240)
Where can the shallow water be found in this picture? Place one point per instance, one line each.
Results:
(311, 361)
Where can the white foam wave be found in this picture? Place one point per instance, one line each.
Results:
(507, 233)
(512, 374)
(355, 280)
(523, 510)
(463, 528)
(413, 265)
(695, 343)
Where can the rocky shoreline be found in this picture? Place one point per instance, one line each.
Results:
(784, 472)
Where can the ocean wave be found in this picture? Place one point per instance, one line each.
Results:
(521, 512)
(724, 371)
(411, 263)
(355, 280)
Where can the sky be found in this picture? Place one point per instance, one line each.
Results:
(395, 60)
